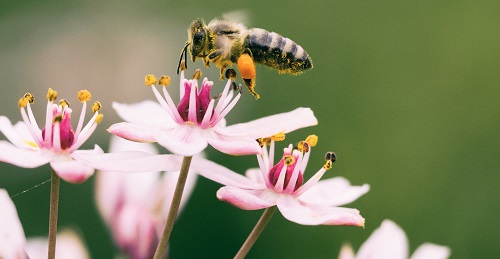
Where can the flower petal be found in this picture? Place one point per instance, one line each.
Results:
(72, 171)
(433, 251)
(247, 199)
(233, 145)
(271, 125)
(222, 175)
(165, 192)
(12, 239)
(335, 191)
(346, 252)
(22, 157)
(147, 113)
(69, 245)
(18, 134)
(308, 214)
(255, 175)
(184, 140)
(134, 132)
(388, 242)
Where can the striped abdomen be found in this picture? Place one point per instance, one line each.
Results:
(276, 51)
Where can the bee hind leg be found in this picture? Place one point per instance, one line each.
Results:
(246, 66)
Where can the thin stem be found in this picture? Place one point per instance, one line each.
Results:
(174, 208)
(55, 182)
(257, 230)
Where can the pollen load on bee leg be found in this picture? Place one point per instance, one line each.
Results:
(246, 66)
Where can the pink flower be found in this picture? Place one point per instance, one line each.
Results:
(135, 205)
(311, 202)
(57, 143)
(187, 129)
(13, 244)
(390, 242)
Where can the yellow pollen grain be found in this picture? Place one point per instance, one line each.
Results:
(51, 95)
(84, 95)
(197, 74)
(99, 118)
(30, 97)
(23, 102)
(288, 160)
(31, 143)
(278, 137)
(96, 106)
(189, 123)
(328, 165)
(164, 81)
(150, 80)
(312, 140)
(63, 103)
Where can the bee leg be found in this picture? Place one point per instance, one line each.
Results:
(206, 62)
(246, 66)
(223, 72)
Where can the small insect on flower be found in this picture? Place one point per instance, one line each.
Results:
(225, 42)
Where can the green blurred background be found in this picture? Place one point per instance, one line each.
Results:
(406, 93)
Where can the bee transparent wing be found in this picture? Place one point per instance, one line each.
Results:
(240, 16)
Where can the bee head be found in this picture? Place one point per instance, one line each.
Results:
(199, 36)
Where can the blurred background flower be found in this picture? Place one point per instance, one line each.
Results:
(405, 92)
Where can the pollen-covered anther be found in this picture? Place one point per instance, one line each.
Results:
(182, 66)
(278, 137)
(150, 80)
(29, 97)
(58, 118)
(99, 118)
(23, 102)
(231, 74)
(164, 81)
(303, 146)
(84, 95)
(63, 103)
(263, 141)
(330, 158)
(96, 106)
(312, 140)
(51, 95)
(197, 74)
(288, 160)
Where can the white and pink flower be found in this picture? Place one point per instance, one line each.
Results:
(198, 120)
(390, 242)
(311, 202)
(56, 143)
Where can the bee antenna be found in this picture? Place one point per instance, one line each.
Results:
(184, 52)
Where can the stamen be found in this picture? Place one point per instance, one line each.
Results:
(312, 140)
(278, 137)
(182, 66)
(96, 106)
(23, 102)
(330, 158)
(30, 97)
(288, 160)
(150, 80)
(303, 146)
(231, 74)
(84, 95)
(164, 81)
(51, 95)
(197, 74)
(64, 103)
(58, 118)
(99, 118)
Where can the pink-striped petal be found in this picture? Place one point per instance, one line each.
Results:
(271, 125)
(147, 113)
(184, 140)
(72, 171)
(134, 132)
(433, 251)
(388, 241)
(222, 175)
(335, 191)
(12, 239)
(17, 134)
(22, 157)
(307, 214)
(233, 145)
(247, 199)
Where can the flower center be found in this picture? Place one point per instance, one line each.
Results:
(62, 116)
(290, 162)
(199, 103)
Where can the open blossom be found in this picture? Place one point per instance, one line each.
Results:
(311, 202)
(135, 205)
(56, 143)
(187, 129)
(13, 243)
(390, 242)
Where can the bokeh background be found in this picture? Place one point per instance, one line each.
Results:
(406, 93)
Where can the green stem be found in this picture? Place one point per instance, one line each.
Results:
(174, 208)
(55, 182)
(257, 230)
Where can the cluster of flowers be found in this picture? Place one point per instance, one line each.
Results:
(140, 208)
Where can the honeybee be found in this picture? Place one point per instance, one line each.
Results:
(225, 43)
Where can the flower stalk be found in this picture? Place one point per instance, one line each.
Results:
(55, 181)
(174, 208)
(257, 230)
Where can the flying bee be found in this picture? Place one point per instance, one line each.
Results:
(225, 42)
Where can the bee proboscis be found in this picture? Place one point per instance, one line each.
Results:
(225, 43)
